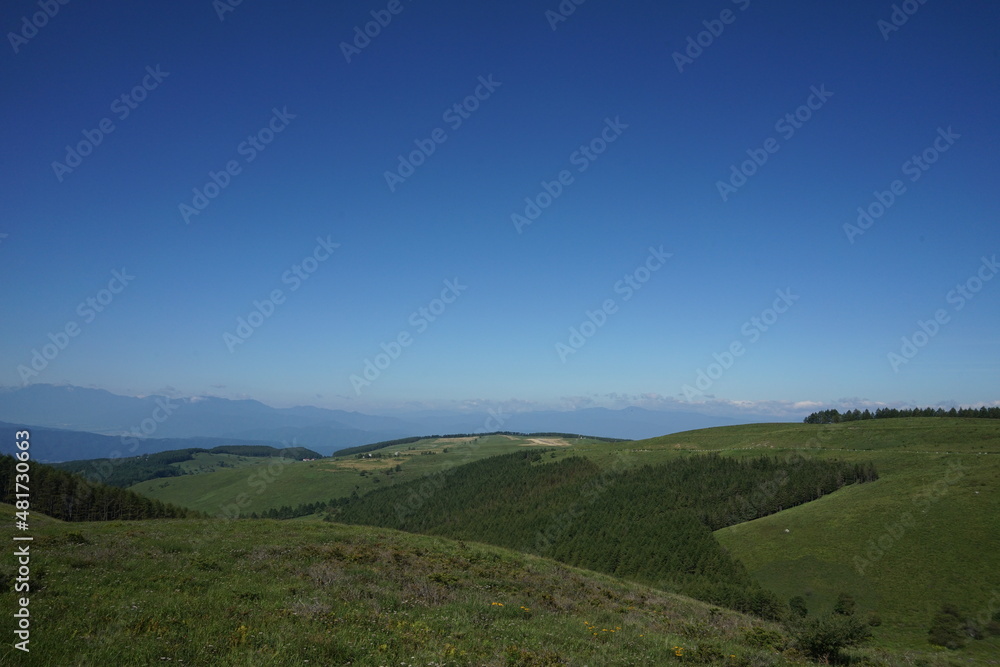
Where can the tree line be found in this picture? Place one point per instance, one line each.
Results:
(126, 471)
(63, 495)
(289, 512)
(834, 416)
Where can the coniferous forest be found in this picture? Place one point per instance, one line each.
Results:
(63, 495)
(834, 416)
(651, 523)
(126, 471)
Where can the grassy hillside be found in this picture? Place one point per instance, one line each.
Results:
(926, 533)
(203, 462)
(129, 470)
(273, 484)
(212, 592)
(914, 436)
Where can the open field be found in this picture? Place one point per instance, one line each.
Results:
(204, 462)
(550, 442)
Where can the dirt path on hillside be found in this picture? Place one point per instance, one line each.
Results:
(545, 442)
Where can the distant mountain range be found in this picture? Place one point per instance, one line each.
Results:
(102, 413)
(52, 445)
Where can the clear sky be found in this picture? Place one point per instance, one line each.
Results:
(694, 165)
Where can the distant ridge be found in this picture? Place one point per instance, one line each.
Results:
(323, 430)
(51, 445)
(406, 441)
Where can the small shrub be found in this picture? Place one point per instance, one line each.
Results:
(763, 638)
(846, 606)
(824, 637)
(205, 564)
(695, 629)
(947, 628)
(444, 578)
(797, 605)
(709, 653)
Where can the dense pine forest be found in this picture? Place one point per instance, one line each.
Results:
(63, 495)
(835, 416)
(651, 524)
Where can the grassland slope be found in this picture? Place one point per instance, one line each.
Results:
(925, 534)
(290, 593)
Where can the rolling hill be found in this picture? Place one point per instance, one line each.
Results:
(131, 470)
(926, 533)
(651, 524)
(245, 491)
(274, 593)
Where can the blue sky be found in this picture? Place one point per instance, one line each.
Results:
(211, 87)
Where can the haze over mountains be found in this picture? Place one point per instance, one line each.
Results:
(160, 417)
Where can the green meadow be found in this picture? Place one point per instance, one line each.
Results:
(926, 533)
